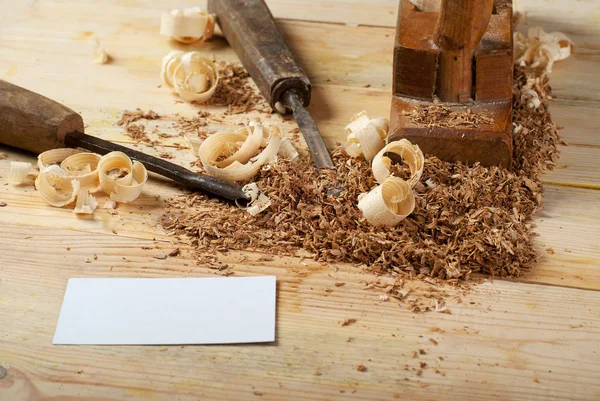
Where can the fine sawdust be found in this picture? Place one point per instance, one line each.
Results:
(129, 117)
(467, 219)
(237, 91)
(438, 115)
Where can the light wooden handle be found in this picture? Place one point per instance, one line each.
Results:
(461, 26)
(33, 122)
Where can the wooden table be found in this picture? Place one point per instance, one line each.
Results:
(534, 338)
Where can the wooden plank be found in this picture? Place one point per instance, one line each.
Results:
(579, 121)
(492, 344)
(580, 20)
(366, 60)
(532, 342)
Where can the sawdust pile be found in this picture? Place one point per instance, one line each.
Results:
(237, 91)
(439, 115)
(467, 219)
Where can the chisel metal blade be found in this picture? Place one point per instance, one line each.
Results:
(309, 130)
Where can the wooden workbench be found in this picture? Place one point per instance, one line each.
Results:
(534, 338)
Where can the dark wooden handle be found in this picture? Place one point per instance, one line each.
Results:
(250, 29)
(461, 26)
(33, 122)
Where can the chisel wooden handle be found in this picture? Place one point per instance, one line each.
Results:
(250, 29)
(33, 122)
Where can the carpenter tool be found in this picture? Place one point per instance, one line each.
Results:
(35, 123)
(250, 29)
(460, 57)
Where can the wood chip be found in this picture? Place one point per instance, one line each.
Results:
(348, 322)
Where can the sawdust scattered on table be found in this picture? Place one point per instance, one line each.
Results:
(129, 117)
(438, 115)
(467, 219)
(237, 91)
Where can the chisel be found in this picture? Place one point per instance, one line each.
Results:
(32, 122)
(250, 29)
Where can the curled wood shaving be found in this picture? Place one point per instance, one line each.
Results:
(410, 154)
(366, 136)
(258, 201)
(193, 77)
(80, 173)
(232, 156)
(539, 50)
(120, 178)
(54, 156)
(56, 187)
(530, 98)
(18, 172)
(188, 25)
(387, 204)
(84, 167)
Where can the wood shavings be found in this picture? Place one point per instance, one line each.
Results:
(56, 187)
(188, 25)
(193, 77)
(238, 152)
(109, 204)
(18, 172)
(288, 150)
(348, 322)
(80, 173)
(237, 91)
(84, 168)
(258, 200)
(438, 115)
(387, 204)
(129, 117)
(467, 219)
(366, 136)
(86, 203)
(540, 50)
(530, 98)
(54, 156)
(121, 178)
(410, 154)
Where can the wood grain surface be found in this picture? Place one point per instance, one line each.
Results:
(532, 338)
